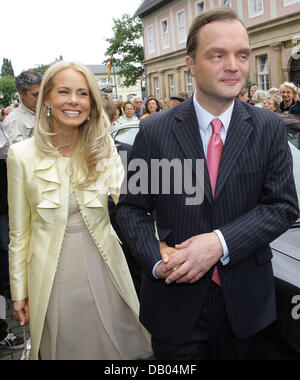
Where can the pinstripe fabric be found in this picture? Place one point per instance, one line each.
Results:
(255, 202)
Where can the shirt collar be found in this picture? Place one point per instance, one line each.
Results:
(26, 109)
(205, 118)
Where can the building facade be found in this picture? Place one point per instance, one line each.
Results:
(273, 26)
(119, 92)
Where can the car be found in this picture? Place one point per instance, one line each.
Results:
(282, 338)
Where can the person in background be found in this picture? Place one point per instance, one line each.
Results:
(19, 124)
(4, 237)
(243, 95)
(295, 109)
(184, 95)
(258, 97)
(8, 341)
(270, 103)
(68, 274)
(253, 90)
(109, 109)
(175, 100)
(152, 106)
(139, 103)
(129, 114)
(288, 92)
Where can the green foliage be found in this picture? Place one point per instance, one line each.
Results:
(126, 49)
(8, 88)
(41, 69)
(7, 69)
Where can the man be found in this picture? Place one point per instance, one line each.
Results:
(18, 125)
(216, 291)
(175, 100)
(139, 103)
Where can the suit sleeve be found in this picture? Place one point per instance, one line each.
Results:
(134, 210)
(19, 224)
(277, 209)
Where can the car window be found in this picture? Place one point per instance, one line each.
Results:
(126, 135)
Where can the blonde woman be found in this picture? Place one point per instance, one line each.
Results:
(68, 272)
(288, 92)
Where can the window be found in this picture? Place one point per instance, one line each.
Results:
(200, 7)
(181, 27)
(287, 3)
(225, 3)
(255, 8)
(165, 34)
(156, 88)
(189, 83)
(151, 44)
(172, 85)
(263, 72)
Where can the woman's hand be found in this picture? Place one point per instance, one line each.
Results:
(166, 251)
(21, 311)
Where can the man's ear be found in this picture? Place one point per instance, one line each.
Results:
(190, 64)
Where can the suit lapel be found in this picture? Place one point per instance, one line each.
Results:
(237, 137)
(187, 133)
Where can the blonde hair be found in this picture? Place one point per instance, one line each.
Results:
(289, 85)
(94, 140)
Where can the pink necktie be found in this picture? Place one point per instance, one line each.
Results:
(213, 160)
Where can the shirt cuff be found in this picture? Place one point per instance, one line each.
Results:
(154, 269)
(225, 259)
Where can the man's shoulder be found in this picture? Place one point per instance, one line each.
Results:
(166, 119)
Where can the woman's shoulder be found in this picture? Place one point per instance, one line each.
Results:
(24, 148)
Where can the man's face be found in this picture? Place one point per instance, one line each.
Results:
(138, 103)
(221, 64)
(31, 97)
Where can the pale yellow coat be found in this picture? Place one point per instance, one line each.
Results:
(38, 193)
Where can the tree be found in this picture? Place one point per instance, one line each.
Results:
(126, 49)
(41, 69)
(8, 88)
(7, 69)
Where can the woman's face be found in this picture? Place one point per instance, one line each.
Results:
(269, 104)
(152, 106)
(69, 99)
(129, 111)
(287, 95)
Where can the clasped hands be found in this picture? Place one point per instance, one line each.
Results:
(189, 261)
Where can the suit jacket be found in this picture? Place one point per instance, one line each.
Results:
(255, 202)
(38, 192)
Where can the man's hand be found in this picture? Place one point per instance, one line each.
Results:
(193, 258)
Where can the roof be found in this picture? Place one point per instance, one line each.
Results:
(149, 6)
(101, 69)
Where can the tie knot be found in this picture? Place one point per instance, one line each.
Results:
(216, 126)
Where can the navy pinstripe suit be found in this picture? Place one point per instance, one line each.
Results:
(255, 202)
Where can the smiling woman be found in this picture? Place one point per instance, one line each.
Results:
(68, 272)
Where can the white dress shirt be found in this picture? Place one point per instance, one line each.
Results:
(204, 119)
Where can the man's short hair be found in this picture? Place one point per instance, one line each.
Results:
(27, 79)
(217, 14)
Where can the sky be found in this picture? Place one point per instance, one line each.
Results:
(34, 32)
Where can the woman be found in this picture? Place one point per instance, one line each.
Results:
(68, 272)
(288, 92)
(152, 106)
(270, 103)
(129, 116)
